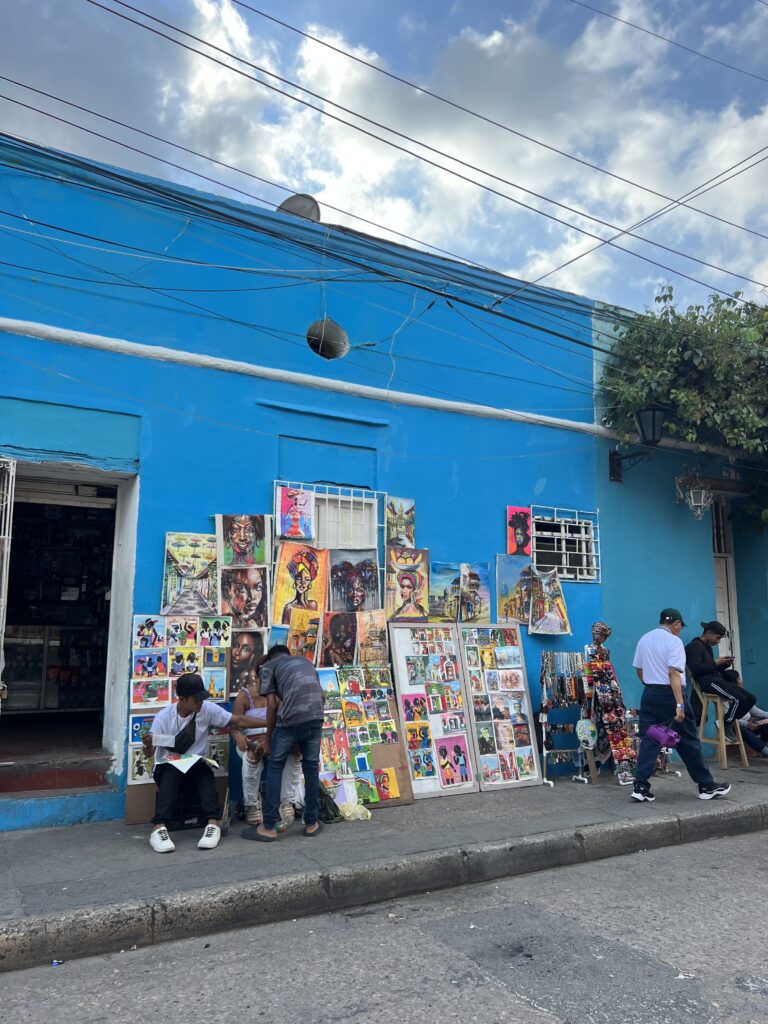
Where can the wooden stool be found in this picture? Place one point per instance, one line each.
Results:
(719, 740)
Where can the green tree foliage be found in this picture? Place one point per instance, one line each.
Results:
(707, 364)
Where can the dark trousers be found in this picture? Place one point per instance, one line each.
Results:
(307, 735)
(740, 701)
(657, 707)
(169, 781)
(753, 740)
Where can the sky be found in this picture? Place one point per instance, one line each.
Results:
(565, 76)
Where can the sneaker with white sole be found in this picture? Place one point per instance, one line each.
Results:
(713, 791)
(642, 794)
(210, 838)
(160, 841)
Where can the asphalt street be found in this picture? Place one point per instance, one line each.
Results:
(659, 937)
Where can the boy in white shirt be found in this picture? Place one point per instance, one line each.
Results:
(190, 737)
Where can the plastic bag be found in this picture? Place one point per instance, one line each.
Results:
(354, 812)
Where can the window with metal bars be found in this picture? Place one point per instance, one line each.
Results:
(567, 540)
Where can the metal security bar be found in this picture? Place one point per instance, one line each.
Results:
(568, 540)
(7, 484)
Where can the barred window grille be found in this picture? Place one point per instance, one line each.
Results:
(567, 540)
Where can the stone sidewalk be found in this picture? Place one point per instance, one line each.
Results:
(86, 889)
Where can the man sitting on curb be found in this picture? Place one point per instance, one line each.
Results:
(190, 736)
(715, 675)
(660, 664)
(297, 719)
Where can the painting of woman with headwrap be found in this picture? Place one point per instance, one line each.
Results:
(518, 530)
(407, 584)
(301, 580)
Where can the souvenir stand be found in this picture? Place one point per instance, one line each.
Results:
(565, 688)
(609, 703)
(500, 714)
(432, 704)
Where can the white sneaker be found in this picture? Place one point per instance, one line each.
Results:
(160, 841)
(210, 838)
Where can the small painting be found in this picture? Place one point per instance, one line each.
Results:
(215, 681)
(244, 595)
(386, 783)
(422, 763)
(444, 591)
(475, 595)
(489, 768)
(352, 710)
(215, 631)
(526, 765)
(140, 726)
(407, 589)
(329, 681)
(248, 645)
(452, 721)
(296, 513)
(388, 731)
(148, 664)
(354, 579)
(184, 659)
(301, 581)
(513, 588)
(339, 639)
(415, 707)
(453, 761)
(140, 766)
(549, 614)
(148, 631)
(522, 735)
(365, 784)
(508, 657)
(508, 767)
(215, 657)
(149, 691)
(351, 680)
(372, 646)
(486, 743)
(334, 752)
(189, 575)
(303, 633)
(401, 522)
(518, 530)
(218, 751)
(482, 708)
(182, 631)
(418, 736)
(243, 540)
(505, 736)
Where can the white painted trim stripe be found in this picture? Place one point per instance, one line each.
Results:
(118, 346)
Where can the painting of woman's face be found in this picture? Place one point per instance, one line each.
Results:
(355, 594)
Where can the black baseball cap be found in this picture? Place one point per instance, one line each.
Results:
(670, 615)
(190, 684)
(713, 626)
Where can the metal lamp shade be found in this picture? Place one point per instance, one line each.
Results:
(650, 422)
(328, 339)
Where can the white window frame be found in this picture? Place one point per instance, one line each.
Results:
(550, 523)
(345, 517)
(7, 486)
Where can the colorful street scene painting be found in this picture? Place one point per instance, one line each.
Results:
(401, 522)
(189, 574)
(444, 591)
(243, 540)
(513, 588)
(475, 597)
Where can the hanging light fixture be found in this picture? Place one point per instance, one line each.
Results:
(690, 488)
(649, 422)
(328, 339)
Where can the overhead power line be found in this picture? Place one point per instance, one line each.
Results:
(417, 156)
(494, 123)
(672, 42)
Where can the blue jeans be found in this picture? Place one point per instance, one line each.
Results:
(657, 707)
(284, 738)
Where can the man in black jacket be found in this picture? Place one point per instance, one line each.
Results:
(715, 675)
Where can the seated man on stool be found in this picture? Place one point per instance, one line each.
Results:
(187, 723)
(715, 675)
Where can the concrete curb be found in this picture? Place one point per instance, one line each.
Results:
(92, 931)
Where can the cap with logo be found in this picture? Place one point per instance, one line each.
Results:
(670, 615)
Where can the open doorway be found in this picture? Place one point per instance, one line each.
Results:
(57, 636)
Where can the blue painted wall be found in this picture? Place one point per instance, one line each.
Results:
(751, 557)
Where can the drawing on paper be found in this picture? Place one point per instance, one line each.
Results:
(296, 510)
(243, 540)
(301, 580)
(444, 591)
(244, 595)
(401, 522)
(354, 580)
(189, 575)
(407, 589)
(518, 530)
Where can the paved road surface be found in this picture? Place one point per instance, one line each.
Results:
(664, 937)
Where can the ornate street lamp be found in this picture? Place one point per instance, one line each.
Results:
(690, 488)
(649, 422)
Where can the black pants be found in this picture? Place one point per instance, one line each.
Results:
(740, 701)
(657, 707)
(169, 781)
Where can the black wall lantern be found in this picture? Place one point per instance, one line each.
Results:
(649, 422)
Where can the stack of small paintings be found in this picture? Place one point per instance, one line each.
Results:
(360, 720)
(500, 705)
(432, 708)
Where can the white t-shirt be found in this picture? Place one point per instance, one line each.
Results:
(168, 722)
(657, 652)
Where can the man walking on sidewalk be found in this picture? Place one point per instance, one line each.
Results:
(295, 702)
(660, 665)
